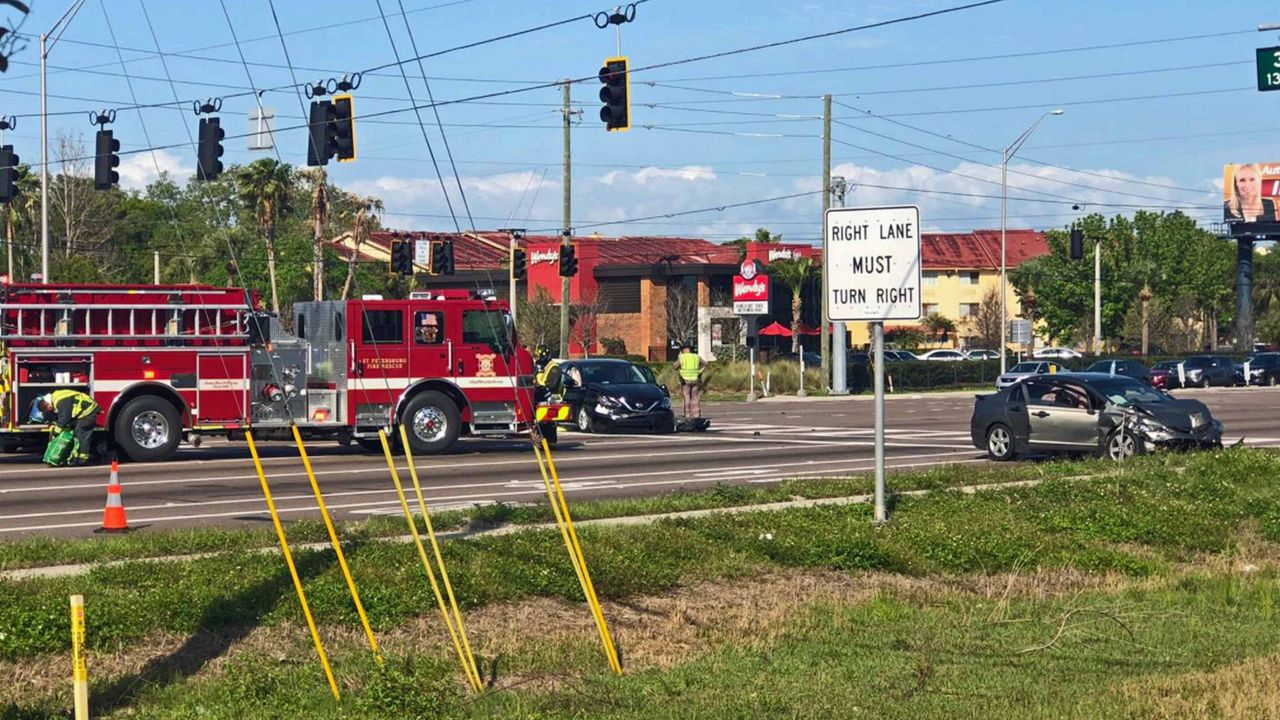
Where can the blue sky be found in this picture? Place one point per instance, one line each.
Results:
(920, 124)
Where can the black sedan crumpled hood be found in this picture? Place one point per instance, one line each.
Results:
(1177, 414)
(637, 396)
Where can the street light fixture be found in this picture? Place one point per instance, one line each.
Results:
(1007, 153)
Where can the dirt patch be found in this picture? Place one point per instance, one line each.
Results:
(1250, 689)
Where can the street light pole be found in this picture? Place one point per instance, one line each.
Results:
(839, 371)
(1097, 296)
(1005, 155)
(45, 47)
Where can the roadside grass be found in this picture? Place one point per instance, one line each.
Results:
(897, 653)
(1137, 521)
(157, 542)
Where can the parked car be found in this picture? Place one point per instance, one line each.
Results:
(1164, 374)
(899, 355)
(605, 393)
(1128, 368)
(1208, 370)
(1025, 370)
(1056, 352)
(1264, 369)
(982, 354)
(944, 356)
(1110, 415)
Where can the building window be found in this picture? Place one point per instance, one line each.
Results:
(930, 308)
(383, 327)
(968, 310)
(428, 327)
(969, 278)
(619, 295)
(930, 278)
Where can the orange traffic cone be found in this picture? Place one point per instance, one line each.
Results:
(113, 519)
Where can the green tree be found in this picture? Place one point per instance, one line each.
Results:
(264, 187)
(939, 327)
(761, 235)
(793, 274)
(363, 219)
(21, 210)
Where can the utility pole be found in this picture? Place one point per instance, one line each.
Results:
(839, 370)
(1097, 296)
(823, 338)
(566, 226)
(45, 46)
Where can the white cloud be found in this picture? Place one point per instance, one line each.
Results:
(689, 173)
(140, 169)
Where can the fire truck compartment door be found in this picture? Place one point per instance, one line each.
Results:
(222, 388)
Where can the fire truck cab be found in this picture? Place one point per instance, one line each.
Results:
(180, 362)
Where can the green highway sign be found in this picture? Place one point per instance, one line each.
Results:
(1268, 69)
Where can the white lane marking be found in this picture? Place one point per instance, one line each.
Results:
(480, 499)
(584, 482)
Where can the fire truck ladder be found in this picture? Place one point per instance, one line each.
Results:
(58, 314)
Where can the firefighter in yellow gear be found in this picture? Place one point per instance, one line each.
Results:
(75, 411)
(690, 367)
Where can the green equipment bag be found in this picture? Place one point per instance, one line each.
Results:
(60, 447)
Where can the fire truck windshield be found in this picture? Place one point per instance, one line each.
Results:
(490, 327)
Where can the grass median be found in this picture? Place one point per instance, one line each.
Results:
(1161, 531)
(158, 542)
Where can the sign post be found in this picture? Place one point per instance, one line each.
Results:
(872, 274)
(751, 300)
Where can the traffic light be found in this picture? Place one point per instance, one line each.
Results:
(442, 257)
(519, 263)
(105, 161)
(317, 134)
(331, 131)
(8, 174)
(616, 95)
(208, 166)
(1077, 243)
(568, 260)
(402, 257)
(342, 128)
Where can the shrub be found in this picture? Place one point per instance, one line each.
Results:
(614, 346)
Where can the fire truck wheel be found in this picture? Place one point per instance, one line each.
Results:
(432, 422)
(148, 429)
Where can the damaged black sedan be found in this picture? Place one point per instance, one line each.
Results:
(1093, 413)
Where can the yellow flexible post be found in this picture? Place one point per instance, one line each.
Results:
(586, 574)
(435, 549)
(337, 546)
(293, 570)
(579, 562)
(79, 667)
(472, 679)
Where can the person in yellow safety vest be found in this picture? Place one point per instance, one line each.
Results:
(75, 411)
(690, 367)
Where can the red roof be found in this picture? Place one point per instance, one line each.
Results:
(980, 249)
(488, 250)
(977, 250)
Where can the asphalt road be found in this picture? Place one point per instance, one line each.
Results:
(763, 442)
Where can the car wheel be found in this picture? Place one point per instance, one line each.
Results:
(432, 422)
(1000, 442)
(1122, 446)
(586, 423)
(148, 429)
(1273, 380)
(1205, 383)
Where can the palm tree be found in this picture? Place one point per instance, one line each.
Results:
(366, 219)
(938, 326)
(263, 187)
(319, 213)
(793, 274)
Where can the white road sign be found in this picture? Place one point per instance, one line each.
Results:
(422, 253)
(872, 272)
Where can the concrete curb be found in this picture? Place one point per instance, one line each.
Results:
(57, 571)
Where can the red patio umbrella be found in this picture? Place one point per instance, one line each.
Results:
(807, 330)
(775, 329)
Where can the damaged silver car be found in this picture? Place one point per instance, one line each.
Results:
(1094, 413)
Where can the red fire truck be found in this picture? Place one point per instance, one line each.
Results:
(169, 363)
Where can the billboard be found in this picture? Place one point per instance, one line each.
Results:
(1250, 192)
